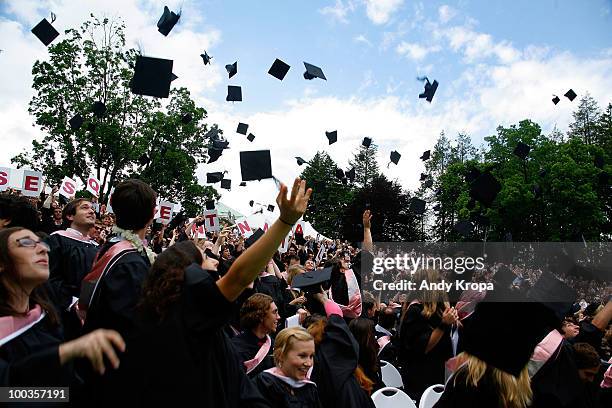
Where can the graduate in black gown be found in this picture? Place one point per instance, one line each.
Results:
(258, 320)
(180, 354)
(287, 384)
(32, 347)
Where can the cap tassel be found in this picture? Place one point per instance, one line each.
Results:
(53, 17)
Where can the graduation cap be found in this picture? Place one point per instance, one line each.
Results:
(366, 142)
(554, 294)
(423, 177)
(599, 161)
(485, 188)
(555, 99)
(255, 165)
(206, 58)
(213, 155)
(394, 156)
(178, 220)
(464, 227)
(571, 95)
(242, 128)
(210, 204)
(332, 136)
(226, 184)
(76, 122)
(144, 159)
(232, 69)
(214, 177)
(270, 208)
(340, 173)
(425, 156)
(98, 108)
(186, 118)
(167, 21)
(45, 32)
(253, 238)
(417, 205)
(428, 183)
(251, 203)
(351, 175)
(311, 281)
(521, 150)
(300, 161)
(251, 137)
(313, 72)
(430, 89)
(279, 69)
(152, 77)
(173, 77)
(234, 93)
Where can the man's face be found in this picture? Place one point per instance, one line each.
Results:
(57, 214)
(85, 215)
(309, 265)
(587, 375)
(291, 251)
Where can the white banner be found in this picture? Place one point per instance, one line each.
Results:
(5, 178)
(93, 186)
(32, 183)
(68, 188)
(164, 214)
(211, 221)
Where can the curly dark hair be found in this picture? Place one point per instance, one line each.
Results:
(164, 283)
(254, 310)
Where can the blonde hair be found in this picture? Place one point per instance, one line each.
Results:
(429, 298)
(286, 338)
(514, 392)
(293, 271)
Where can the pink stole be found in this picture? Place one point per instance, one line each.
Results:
(263, 351)
(353, 309)
(293, 383)
(607, 380)
(543, 352)
(382, 342)
(75, 235)
(13, 326)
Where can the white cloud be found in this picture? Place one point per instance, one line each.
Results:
(415, 51)
(362, 39)
(339, 10)
(446, 13)
(380, 11)
(475, 45)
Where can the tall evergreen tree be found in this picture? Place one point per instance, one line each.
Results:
(585, 120)
(365, 164)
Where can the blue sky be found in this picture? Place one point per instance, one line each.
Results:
(497, 62)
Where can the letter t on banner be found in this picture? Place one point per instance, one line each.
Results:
(32, 183)
(211, 221)
(68, 187)
(93, 186)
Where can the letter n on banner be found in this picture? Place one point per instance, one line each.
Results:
(243, 227)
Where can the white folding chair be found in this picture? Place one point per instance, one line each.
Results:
(390, 375)
(431, 396)
(391, 397)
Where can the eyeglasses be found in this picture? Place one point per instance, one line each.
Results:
(30, 243)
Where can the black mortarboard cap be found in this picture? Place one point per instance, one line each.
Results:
(279, 69)
(485, 188)
(423, 177)
(186, 118)
(313, 72)
(554, 294)
(173, 77)
(300, 161)
(299, 239)
(242, 128)
(152, 77)
(253, 238)
(232, 69)
(214, 177)
(464, 227)
(428, 183)
(45, 32)
(144, 159)
(226, 184)
(555, 99)
(417, 205)
(76, 122)
(178, 220)
(351, 174)
(251, 137)
(394, 156)
(255, 165)
(425, 156)
(366, 142)
(543, 172)
(167, 21)
(312, 280)
(571, 95)
(206, 58)
(332, 136)
(340, 173)
(430, 90)
(242, 184)
(521, 150)
(98, 108)
(599, 161)
(213, 155)
(270, 208)
(251, 203)
(234, 93)
(210, 204)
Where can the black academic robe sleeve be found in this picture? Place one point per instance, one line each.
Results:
(280, 395)
(458, 394)
(41, 368)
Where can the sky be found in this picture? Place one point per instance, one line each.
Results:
(498, 62)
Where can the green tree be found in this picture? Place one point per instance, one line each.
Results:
(585, 120)
(365, 164)
(92, 64)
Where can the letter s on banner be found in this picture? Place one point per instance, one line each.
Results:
(68, 187)
(5, 177)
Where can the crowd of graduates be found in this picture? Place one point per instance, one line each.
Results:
(124, 310)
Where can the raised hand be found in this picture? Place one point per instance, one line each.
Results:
(367, 216)
(293, 208)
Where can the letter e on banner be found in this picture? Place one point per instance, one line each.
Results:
(32, 183)
(93, 186)
(5, 176)
(243, 227)
(211, 221)
(68, 187)
(165, 212)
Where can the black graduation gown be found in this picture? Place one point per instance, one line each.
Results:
(247, 345)
(463, 395)
(282, 395)
(187, 359)
(274, 287)
(336, 358)
(420, 370)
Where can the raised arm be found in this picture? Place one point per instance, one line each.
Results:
(367, 234)
(248, 265)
